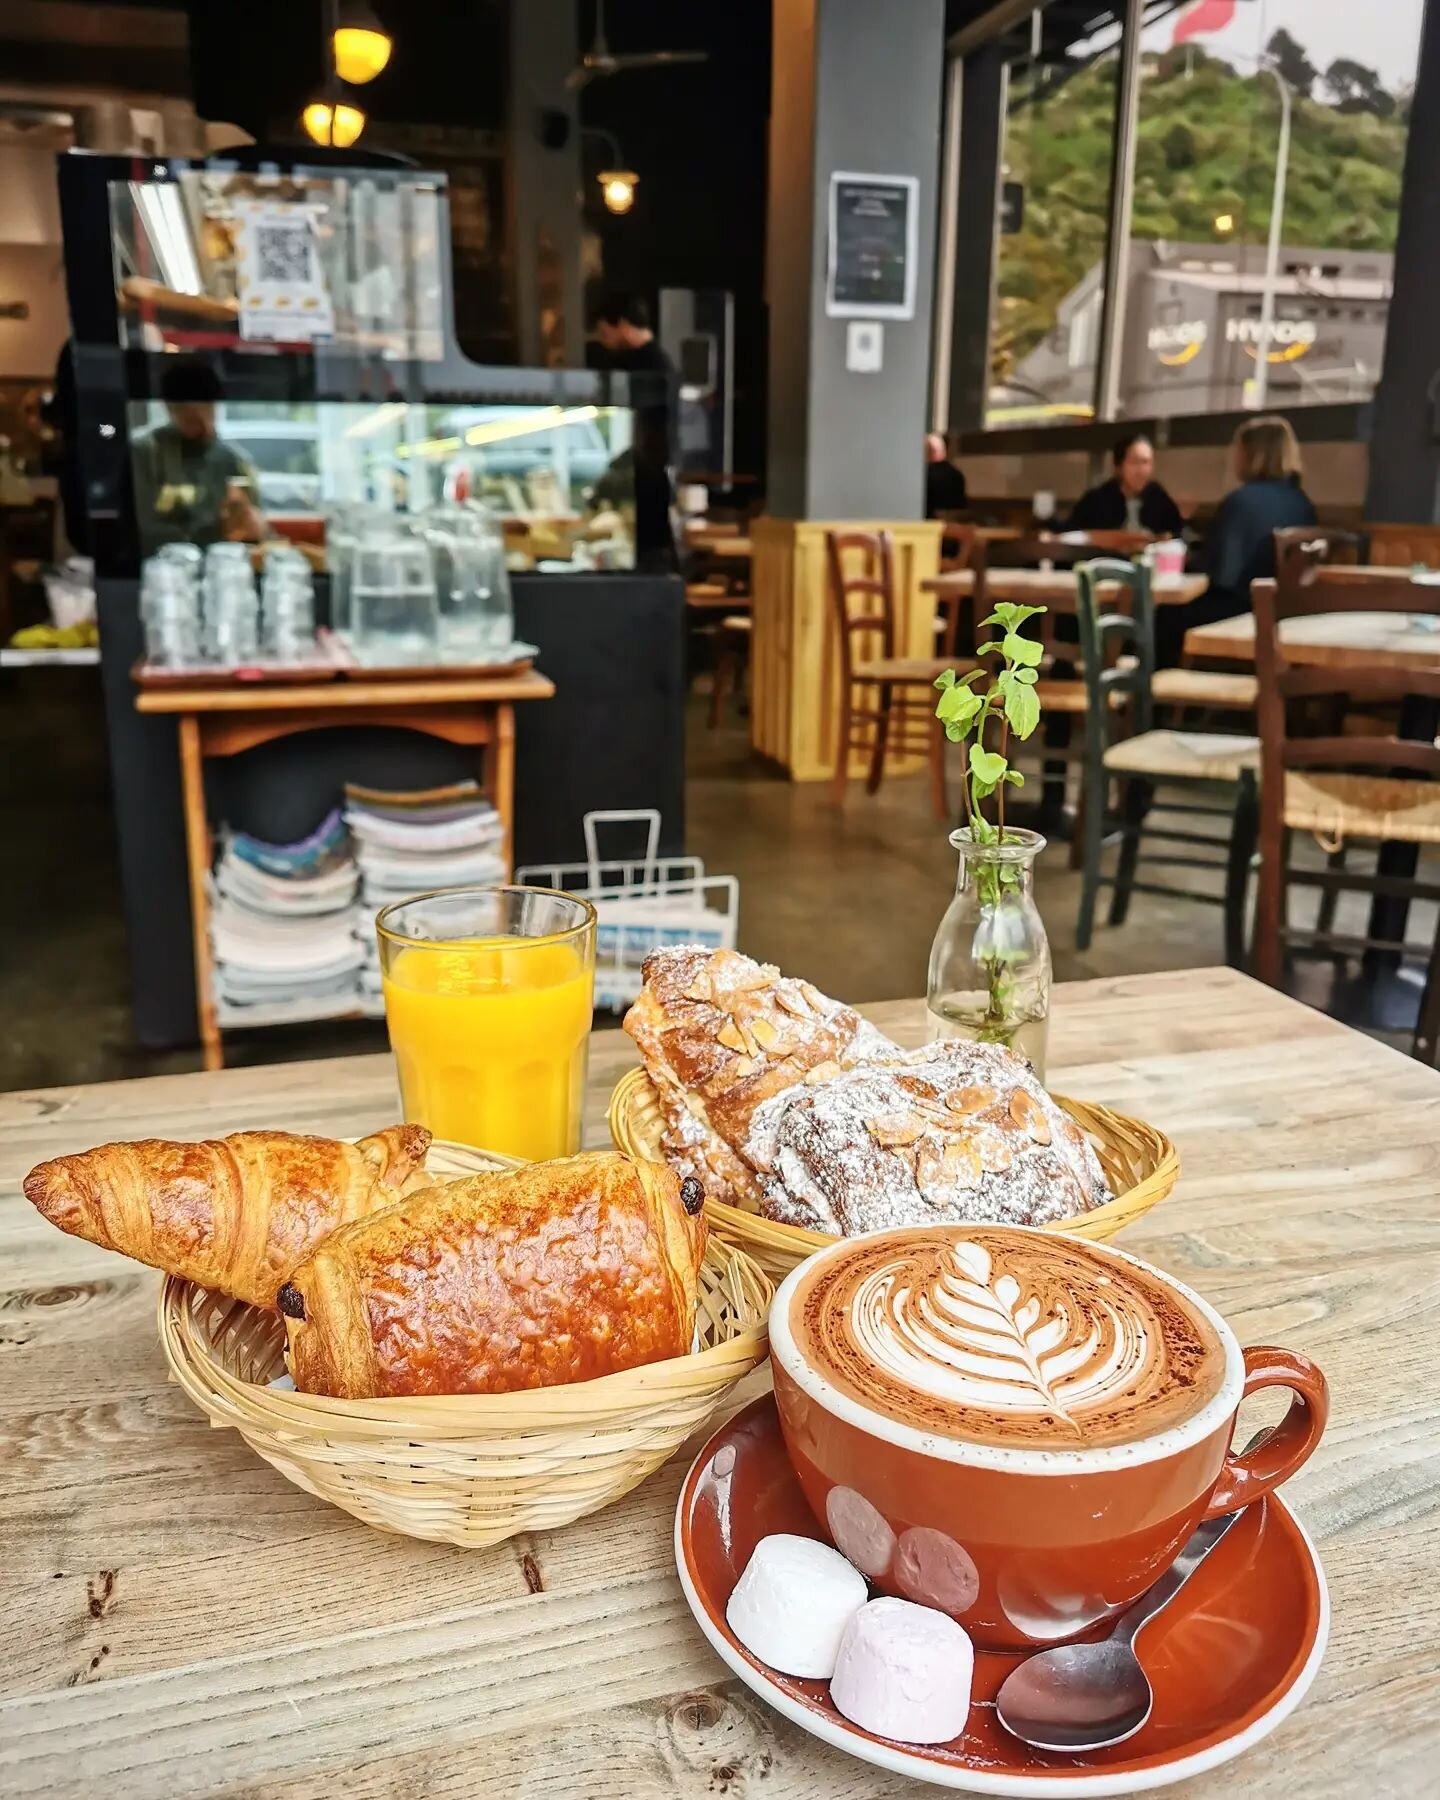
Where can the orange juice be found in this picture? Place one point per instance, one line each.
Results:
(490, 1037)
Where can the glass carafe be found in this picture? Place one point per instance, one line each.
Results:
(472, 585)
(990, 962)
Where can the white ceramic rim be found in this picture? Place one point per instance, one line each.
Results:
(855, 1743)
(1219, 1410)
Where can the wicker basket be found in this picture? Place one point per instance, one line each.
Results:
(1140, 1163)
(472, 1469)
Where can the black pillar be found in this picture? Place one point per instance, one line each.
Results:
(982, 132)
(1405, 442)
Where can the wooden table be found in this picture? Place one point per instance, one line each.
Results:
(475, 711)
(1335, 640)
(724, 549)
(182, 1621)
(1055, 587)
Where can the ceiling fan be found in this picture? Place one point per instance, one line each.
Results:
(600, 60)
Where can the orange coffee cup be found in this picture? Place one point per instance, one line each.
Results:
(1087, 1464)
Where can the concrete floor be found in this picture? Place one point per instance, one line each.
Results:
(848, 897)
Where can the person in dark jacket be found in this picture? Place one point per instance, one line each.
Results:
(1132, 499)
(1240, 545)
(944, 482)
(622, 329)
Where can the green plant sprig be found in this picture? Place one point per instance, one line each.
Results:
(966, 711)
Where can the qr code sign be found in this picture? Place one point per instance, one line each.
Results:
(283, 253)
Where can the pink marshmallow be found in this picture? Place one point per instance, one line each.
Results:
(904, 1672)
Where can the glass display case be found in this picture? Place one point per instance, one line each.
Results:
(259, 346)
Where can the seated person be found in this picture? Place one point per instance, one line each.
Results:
(944, 483)
(1132, 499)
(1240, 545)
(191, 486)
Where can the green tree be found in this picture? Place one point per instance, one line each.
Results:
(1291, 62)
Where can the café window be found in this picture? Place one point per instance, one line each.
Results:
(1210, 126)
(1050, 275)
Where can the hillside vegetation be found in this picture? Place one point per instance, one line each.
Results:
(1206, 148)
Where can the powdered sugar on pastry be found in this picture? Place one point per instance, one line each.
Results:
(958, 1132)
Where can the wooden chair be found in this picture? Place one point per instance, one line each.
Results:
(956, 614)
(900, 691)
(1122, 741)
(1382, 792)
(732, 657)
(1402, 546)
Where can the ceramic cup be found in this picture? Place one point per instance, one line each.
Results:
(1027, 1546)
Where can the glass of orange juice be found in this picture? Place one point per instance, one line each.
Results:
(488, 996)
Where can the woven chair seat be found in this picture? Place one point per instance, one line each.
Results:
(920, 670)
(1204, 687)
(738, 622)
(1184, 755)
(1378, 808)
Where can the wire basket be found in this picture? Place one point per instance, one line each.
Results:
(467, 1469)
(1141, 1165)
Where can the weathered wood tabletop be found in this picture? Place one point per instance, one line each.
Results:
(179, 1620)
(1333, 640)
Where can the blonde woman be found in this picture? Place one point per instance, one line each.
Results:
(1239, 547)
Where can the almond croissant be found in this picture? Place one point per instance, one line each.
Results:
(235, 1214)
(560, 1272)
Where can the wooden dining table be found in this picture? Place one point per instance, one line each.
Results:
(180, 1620)
(1054, 587)
(1332, 640)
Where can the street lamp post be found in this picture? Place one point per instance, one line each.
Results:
(1272, 254)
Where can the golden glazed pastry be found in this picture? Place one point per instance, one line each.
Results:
(720, 1035)
(559, 1272)
(235, 1214)
(957, 1132)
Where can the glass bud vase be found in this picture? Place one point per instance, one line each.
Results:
(990, 962)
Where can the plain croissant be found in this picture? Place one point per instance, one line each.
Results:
(235, 1214)
(560, 1272)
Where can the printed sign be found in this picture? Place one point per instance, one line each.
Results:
(873, 225)
(280, 283)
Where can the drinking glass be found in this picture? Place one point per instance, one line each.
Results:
(232, 615)
(488, 999)
(288, 614)
(171, 619)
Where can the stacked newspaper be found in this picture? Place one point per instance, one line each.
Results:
(413, 843)
(284, 928)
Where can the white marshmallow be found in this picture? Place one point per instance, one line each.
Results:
(792, 1604)
(904, 1672)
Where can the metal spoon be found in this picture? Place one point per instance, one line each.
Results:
(1089, 1696)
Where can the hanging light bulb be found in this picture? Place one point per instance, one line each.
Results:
(339, 125)
(617, 187)
(361, 43)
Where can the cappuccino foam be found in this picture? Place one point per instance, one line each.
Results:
(995, 1336)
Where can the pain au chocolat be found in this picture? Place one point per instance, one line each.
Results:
(720, 1035)
(557, 1273)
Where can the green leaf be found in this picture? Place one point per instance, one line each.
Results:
(1022, 650)
(956, 733)
(982, 790)
(1028, 676)
(1022, 710)
(958, 704)
(972, 675)
(986, 648)
(1019, 614)
(986, 765)
(1015, 778)
(1004, 613)
(945, 679)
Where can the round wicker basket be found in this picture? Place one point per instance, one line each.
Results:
(468, 1469)
(1140, 1163)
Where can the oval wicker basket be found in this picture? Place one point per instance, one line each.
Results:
(1140, 1163)
(468, 1469)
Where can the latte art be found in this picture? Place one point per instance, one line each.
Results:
(1003, 1337)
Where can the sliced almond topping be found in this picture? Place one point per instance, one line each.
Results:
(996, 1156)
(793, 1001)
(930, 1169)
(752, 981)
(916, 1085)
(970, 1099)
(731, 1036)
(1027, 1114)
(700, 988)
(767, 1037)
(893, 1131)
(825, 1071)
(742, 1066)
(962, 1164)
